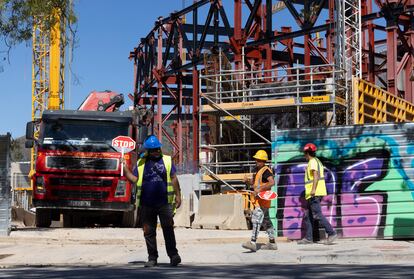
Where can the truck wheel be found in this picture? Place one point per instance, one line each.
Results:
(129, 218)
(77, 220)
(67, 220)
(43, 218)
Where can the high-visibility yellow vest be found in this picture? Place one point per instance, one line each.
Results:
(320, 187)
(257, 184)
(170, 189)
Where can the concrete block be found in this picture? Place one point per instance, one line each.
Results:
(182, 217)
(225, 212)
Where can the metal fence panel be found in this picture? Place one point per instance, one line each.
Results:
(369, 173)
(5, 196)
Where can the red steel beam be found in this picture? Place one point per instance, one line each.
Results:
(260, 44)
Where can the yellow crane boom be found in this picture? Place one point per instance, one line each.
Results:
(48, 67)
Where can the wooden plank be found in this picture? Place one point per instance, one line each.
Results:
(340, 101)
(276, 103)
(227, 177)
(250, 105)
(229, 118)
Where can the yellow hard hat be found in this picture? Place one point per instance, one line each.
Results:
(261, 155)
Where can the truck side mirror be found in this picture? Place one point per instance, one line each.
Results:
(30, 130)
(29, 135)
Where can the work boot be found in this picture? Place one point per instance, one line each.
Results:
(331, 239)
(249, 245)
(150, 263)
(269, 246)
(175, 260)
(305, 241)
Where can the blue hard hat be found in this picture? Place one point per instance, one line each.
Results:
(152, 142)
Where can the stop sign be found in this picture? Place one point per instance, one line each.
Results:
(123, 144)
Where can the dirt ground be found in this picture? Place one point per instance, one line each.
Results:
(125, 246)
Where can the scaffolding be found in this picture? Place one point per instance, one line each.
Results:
(242, 106)
(349, 43)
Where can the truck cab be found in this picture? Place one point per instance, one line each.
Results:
(78, 172)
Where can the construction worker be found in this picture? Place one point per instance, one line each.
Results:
(315, 189)
(158, 191)
(261, 181)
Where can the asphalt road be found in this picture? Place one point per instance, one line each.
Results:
(212, 271)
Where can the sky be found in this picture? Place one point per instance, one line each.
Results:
(107, 31)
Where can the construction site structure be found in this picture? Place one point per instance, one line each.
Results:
(218, 85)
(244, 105)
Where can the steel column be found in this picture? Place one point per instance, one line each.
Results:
(391, 58)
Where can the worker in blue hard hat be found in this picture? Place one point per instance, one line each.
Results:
(158, 193)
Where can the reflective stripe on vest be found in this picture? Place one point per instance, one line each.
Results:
(256, 185)
(170, 189)
(320, 186)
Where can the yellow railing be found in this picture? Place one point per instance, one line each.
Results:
(375, 105)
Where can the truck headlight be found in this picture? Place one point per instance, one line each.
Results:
(40, 184)
(120, 188)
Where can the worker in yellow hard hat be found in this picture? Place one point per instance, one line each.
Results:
(262, 180)
(261, 156)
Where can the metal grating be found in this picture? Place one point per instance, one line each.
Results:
(70, 163)
(80, 182)
(85, 195)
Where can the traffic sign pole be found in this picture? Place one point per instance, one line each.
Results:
(122, 167)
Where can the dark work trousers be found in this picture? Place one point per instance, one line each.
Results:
(314, 212)
(266, 224)
(149, 225)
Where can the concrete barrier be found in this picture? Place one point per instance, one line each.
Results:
(191, 189)
(182, 216)
(224, 212)
(26, 217)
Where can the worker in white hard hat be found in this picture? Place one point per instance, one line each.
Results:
(262, 180)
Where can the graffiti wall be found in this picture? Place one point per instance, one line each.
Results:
(369, 174)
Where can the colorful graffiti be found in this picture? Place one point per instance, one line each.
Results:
(369, 178)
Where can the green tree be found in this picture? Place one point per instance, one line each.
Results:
(18, 16)
(18, 151)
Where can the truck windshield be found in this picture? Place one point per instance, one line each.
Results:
(81, 135)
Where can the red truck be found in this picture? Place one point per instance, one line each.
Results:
(78, 172)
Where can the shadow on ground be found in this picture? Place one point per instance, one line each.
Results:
(211, 271)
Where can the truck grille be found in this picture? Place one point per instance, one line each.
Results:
(92, 182)
(71, 163)
(87, 195)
